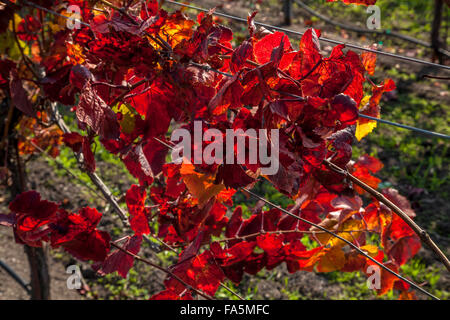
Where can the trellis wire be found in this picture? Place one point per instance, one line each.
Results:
(349, 45)
(423, 131)
(403, 126)
(15, 276)
(342, 239)
(427, 132)
(359, 250)
(360, 30)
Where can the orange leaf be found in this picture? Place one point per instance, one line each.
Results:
(75, 53)
(349, 230)
(200, 185)
(369, 60)
(387, 279)
(407, 295)
(332, 260)
(176, 29)
(364, 175)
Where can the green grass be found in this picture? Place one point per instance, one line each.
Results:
(118, 288)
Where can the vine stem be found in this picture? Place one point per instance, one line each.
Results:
(381, 265)
(423, 235)
(332, 234)
(171, 248)
(61, 166)
(170, 273)
(114, 203)
(96, 180)
(123, 94)
(24, 57)
(7, 124)
(110, 198)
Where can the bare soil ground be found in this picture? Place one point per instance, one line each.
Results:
(14, 256)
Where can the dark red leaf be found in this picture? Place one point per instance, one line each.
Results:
(135, 199)
(120, 261)
(95, 113)
(19, 96)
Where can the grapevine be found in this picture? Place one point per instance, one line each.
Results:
(131, 73)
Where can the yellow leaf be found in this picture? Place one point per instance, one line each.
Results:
(16, 20)
(329, 224)
(349, 230)
(364, 126)
(127, 121)
(364, 101)
(370, 249)
(363, 129)
(8, 46)
(176, 29)
(56, 27)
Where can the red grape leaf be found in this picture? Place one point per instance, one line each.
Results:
(77, 234)
(264, 47)
(369, 60)
(135, 199)
(95, 113)
(73, 140)
(118, 260)
(171, 295)
(399, 200)
(404, 249)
